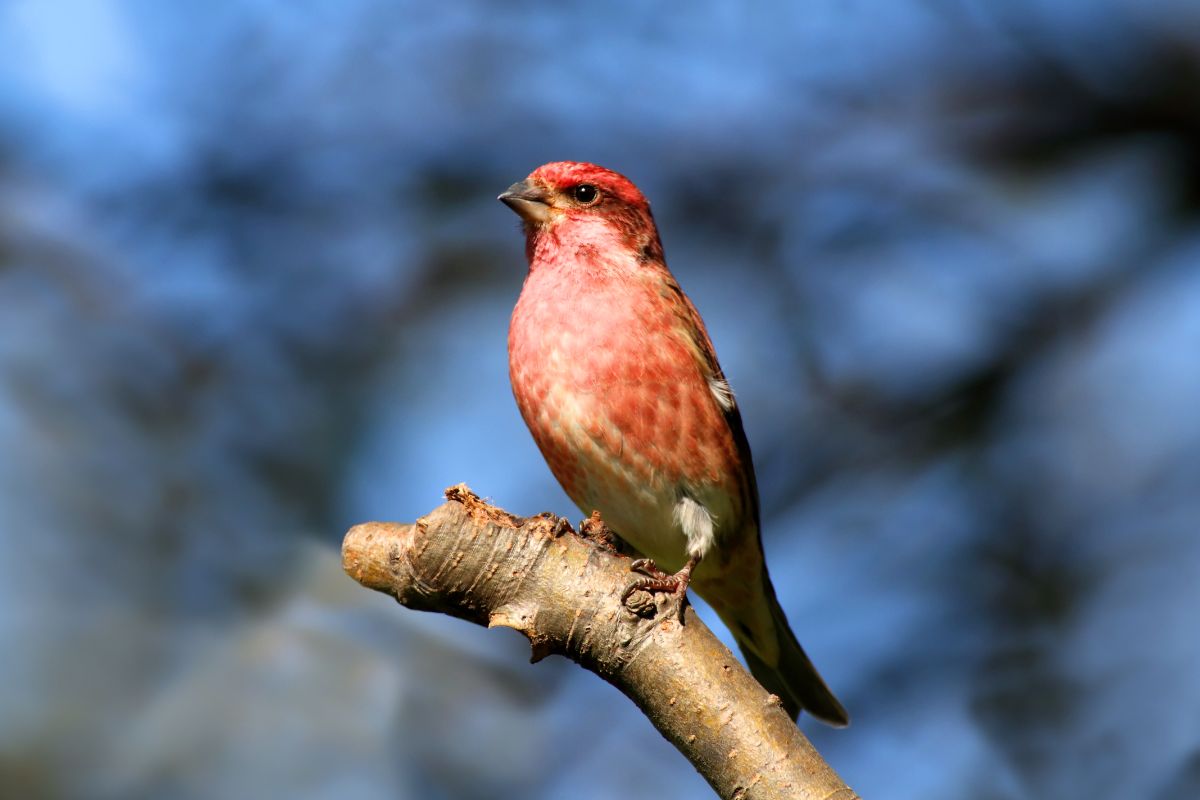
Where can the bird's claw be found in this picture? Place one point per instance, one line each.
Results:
(647, 567)
(658, 582)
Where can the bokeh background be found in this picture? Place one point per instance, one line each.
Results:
(254, 288)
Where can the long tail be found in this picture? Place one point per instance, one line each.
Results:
(792, 677)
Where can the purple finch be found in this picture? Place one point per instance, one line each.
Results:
(617, 379)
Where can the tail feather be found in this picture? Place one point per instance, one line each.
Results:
(794, 678)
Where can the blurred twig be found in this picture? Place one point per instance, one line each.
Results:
(562, 590)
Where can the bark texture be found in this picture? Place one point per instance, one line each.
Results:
(562, 589)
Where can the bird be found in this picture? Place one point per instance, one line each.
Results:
(615, 375)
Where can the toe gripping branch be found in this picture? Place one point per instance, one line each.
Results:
(655, 581)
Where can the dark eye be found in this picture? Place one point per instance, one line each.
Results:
(585, 194)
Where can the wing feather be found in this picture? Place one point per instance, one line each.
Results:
(723, 398)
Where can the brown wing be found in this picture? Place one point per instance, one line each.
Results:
(707, 356)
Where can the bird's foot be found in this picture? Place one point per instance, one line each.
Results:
(655, 581)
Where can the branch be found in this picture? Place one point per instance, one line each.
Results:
(562, 590)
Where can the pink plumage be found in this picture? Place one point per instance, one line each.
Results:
(616, 377)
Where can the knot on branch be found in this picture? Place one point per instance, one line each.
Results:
(479, 509)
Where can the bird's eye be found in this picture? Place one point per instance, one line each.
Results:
(585, 194)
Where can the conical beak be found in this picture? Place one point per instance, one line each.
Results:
(531, 202)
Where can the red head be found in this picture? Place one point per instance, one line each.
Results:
(574, 197)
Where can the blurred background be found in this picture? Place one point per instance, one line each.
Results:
(255, 288)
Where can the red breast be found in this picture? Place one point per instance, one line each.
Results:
(606, 376)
